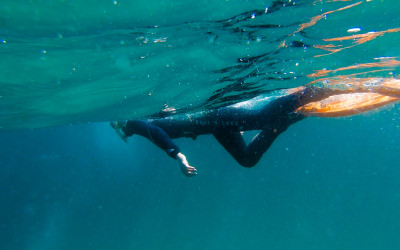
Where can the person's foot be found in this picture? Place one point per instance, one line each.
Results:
(117, 126)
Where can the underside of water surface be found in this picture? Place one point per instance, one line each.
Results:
(69, 62)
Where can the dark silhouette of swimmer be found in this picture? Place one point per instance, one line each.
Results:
(272, 114)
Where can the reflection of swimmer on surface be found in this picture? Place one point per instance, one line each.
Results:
(271, 114)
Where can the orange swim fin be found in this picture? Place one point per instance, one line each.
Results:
(345, 104)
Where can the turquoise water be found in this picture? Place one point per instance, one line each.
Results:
(65, 62)
(68, 182)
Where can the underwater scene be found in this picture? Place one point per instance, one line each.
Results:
(70, 67)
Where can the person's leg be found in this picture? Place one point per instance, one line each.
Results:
(249, 155)
(233, 142)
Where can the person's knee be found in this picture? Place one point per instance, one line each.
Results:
(248, 162)
(248, 159)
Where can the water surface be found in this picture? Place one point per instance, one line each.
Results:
(67, 62)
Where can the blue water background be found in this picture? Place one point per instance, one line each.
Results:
(324, 184)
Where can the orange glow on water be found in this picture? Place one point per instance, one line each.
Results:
(362, 38)
(357, 40)
(315, 19)
(331, 1)
(386, 63)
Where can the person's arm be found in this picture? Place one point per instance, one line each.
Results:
(160, 138)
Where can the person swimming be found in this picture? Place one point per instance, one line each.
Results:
(272, 114)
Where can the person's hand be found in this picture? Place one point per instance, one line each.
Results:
(184, 165)
(188, 170)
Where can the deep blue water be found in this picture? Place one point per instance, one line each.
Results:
(326, 183)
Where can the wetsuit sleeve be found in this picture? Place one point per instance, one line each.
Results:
(155, 134)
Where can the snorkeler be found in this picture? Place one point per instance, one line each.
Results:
(272, 114)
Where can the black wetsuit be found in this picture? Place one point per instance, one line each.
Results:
(271, 114)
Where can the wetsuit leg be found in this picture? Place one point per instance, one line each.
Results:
(154, 134)
(249, 155)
